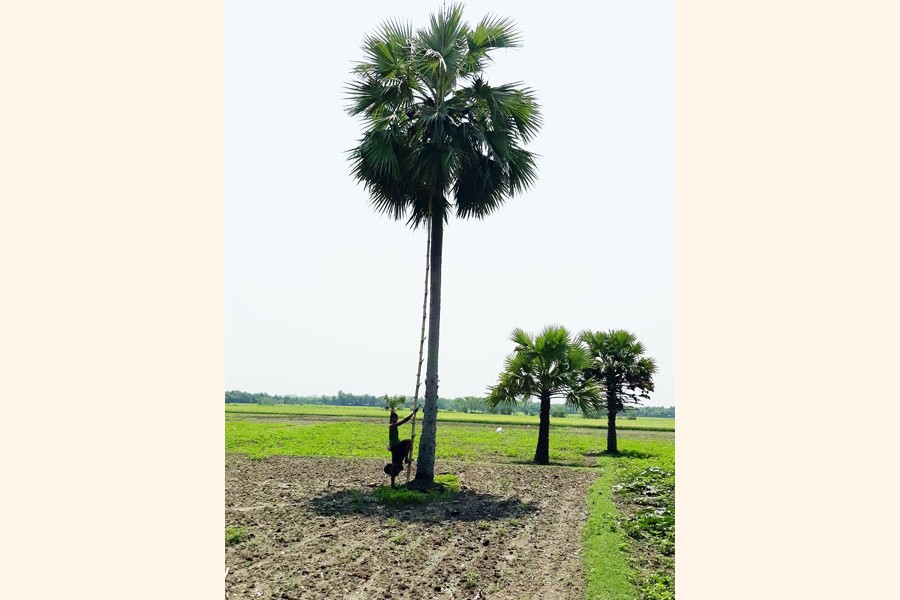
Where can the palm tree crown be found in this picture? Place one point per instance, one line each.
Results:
(618, 359)
(550, 363)
(435, 127)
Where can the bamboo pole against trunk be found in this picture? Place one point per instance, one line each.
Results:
(412, 439)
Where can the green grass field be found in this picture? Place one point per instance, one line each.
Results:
(626, 555)
(571, 447)
(289, 410)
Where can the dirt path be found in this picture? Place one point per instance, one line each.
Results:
(315, 532)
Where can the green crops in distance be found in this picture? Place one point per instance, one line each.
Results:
(287, 410)
(454, 442)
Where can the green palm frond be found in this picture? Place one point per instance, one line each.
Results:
(388, 58)
(397, 32)
(510, 389)
(522, 171)
(379, 162)
(490, 34)
(521, 338)
(379, 102)
(494, 32)
(445, 30)
(442, 49)
(585, 395)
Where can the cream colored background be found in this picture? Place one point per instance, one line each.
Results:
(111, 243)
(788, 148)
(111, 237)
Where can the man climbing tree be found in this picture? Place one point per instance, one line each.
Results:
(400, 450)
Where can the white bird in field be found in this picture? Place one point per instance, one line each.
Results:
(499, 430)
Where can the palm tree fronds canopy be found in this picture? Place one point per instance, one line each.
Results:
(439, 137)
(618, 360)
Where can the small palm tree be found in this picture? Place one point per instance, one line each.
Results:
(440, 140)
(548, 366)
(618, 364)
(392, 403)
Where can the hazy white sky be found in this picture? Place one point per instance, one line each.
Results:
(323, 294)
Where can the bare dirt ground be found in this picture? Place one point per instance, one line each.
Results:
(315, 531)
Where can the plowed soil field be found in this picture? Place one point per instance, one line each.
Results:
(311, 528)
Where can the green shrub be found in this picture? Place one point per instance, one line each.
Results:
(471, 579)
(235, 535)
(559, 413)
(447, 485)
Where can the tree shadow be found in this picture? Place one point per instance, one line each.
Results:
(465, 505)
(624, 454)
(553, 463)
(621, 454)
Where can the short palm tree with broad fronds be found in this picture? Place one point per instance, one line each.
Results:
(549, 365)
(392, 403)
(439, 140)
(618, 364)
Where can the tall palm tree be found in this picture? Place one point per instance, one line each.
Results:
(439, 139)
(548, 366)
(619, 365)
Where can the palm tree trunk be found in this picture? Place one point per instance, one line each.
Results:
(425, 464)
(611, 405)
(412, 435)
(542, 454)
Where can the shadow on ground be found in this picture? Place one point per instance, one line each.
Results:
(554, 463)
(621, 454)
(463, 506)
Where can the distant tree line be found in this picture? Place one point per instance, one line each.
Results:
(654, 411)
(466, 404)
(342, 399)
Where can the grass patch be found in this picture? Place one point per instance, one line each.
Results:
(609, 576)
(399, 496)
(235, 535)
(471, 579)
(446, 487)
(449, 481)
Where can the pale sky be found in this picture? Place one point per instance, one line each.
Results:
(323, 294)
